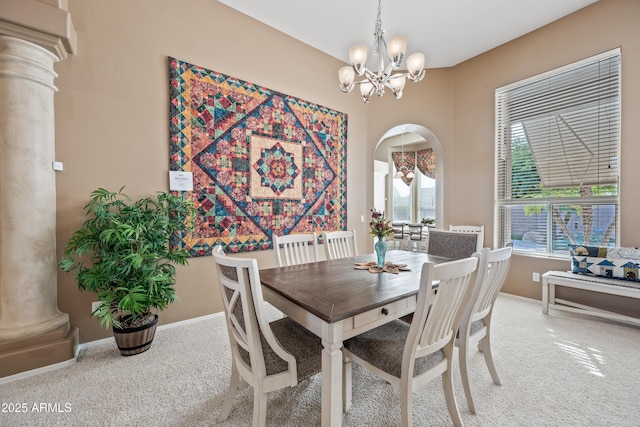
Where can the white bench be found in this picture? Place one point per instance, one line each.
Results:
(621, 287)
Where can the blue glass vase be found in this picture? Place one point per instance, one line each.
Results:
(381, 251)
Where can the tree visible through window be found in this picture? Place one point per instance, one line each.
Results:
(557, 150)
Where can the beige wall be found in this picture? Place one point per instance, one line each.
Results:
(112, 115)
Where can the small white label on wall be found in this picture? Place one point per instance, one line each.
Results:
(180, 181)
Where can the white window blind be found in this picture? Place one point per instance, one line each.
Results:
(557, 147)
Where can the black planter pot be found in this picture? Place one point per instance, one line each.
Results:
(136, 340)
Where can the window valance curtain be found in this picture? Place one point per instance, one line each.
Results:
(406, 161)
(426, 162)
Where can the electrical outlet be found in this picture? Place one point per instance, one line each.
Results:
(94, 306)
(536, 277)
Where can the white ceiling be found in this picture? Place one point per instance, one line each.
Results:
(448, 32)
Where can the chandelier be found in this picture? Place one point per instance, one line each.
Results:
(403, 169)
(376, 81)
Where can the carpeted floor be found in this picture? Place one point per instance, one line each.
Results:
(557, 370)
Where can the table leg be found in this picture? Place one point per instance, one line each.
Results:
(347, 385)
(545, 296)
(331, 383)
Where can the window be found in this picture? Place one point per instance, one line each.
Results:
(413, 183)
(412, 203)
(402, 201)
(427, 206)
(557, 148)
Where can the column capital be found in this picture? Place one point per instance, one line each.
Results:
(46, 23)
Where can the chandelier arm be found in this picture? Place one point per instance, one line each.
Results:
(388, 71)
(387, 83)
(399, 74)
(376, 78)
(373, 79)
(348, 88)
(417, 78)
(370, 75)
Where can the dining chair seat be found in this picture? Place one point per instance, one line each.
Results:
(298, 341)
(382, 345)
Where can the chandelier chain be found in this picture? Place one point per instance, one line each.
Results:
(377, 35)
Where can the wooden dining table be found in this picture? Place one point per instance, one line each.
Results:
(336, 301)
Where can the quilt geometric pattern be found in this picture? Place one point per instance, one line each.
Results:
(596, 261)
(262, 162)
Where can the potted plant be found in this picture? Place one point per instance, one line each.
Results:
(428, 221)
(123, 253)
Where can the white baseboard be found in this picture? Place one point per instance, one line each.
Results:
(38, 371)
(89, 344)
(520, 297)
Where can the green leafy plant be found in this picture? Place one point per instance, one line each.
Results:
(123, 253)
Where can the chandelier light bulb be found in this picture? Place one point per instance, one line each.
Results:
(415, 66)
(358, 58)
(346, 75)
(366, 89)
(397, 84)
(396, 48)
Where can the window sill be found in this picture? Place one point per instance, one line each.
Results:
(531, 254)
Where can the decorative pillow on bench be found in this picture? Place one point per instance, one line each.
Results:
(616, 263)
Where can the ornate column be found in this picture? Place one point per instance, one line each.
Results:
(33, 332)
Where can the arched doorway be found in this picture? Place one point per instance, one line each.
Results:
(412, 137)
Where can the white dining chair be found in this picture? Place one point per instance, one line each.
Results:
(475, 327)
(417, 237)
(295, 249)
(477, 229)
(339, 244)
(400, 235)
(268, 355)
(409, 356)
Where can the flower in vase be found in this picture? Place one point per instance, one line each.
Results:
(379, 226)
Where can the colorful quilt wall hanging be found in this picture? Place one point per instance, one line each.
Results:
(262, 162)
